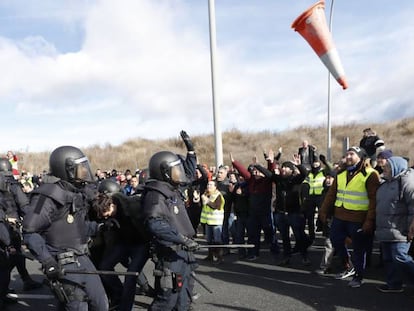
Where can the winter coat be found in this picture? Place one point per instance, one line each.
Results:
(395, 203)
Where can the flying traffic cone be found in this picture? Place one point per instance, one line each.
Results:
(312, 26)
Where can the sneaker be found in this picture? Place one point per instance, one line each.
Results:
(344, 274)
(384, 288)
(195, 296)
(251, 258)
(355, 283)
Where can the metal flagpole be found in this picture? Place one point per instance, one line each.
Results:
(329, 143)
(216, 104)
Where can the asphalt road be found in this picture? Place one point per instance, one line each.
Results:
(260, 285)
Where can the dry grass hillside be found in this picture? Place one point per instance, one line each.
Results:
(398, 136)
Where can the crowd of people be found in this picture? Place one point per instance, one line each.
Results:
(71, 220)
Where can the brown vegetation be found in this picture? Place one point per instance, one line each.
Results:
(134, 153)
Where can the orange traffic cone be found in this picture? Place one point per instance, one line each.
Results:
(312, 26)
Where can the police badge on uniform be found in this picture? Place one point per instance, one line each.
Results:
(70, 218)
(176, 210)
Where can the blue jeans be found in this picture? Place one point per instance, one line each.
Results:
(296, 221)
(340, 230)
(397, 263)
(213, 234)
(228, 228)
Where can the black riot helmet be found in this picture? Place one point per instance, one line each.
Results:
(109, 187)
(167, 166)
(5, 165)
(70, 164)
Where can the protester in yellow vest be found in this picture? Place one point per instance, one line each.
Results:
(352, 201)
(212, 215)
(313, 198)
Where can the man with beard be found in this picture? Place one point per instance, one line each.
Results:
(352, 197)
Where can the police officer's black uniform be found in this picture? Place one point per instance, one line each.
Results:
(167, 220)
(5, 249)
(14, 202)
(56, 230)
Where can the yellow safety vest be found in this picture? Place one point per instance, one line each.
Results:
(315, 183)
(353, 196)
(211, 216)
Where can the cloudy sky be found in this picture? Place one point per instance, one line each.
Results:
(87, 72)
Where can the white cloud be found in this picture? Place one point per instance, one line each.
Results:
(145, 66)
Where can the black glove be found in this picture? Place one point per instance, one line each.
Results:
(109, 224)
(52, 269)
(190, 245)
(187, 141)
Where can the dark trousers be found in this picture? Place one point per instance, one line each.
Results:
(124, 294)
(90, 294)
(256, 222)
(168, 296)
(19, 261)
(4, 280)
(340, 230)
(296, 221)
(194, 213)
(310, 205)
(240, 226)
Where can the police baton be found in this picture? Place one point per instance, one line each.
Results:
(227, 246)
(100, 272)
(193, 275)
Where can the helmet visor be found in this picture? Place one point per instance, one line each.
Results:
(82, 170)
(177, 173)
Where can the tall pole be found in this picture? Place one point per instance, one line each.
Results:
(216, 104)
(329, 135)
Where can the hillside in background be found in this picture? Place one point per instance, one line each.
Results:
(134, 153)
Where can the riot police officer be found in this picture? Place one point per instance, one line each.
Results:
(56, 230)
(14, 201)
(167, 221)
(6, 249)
